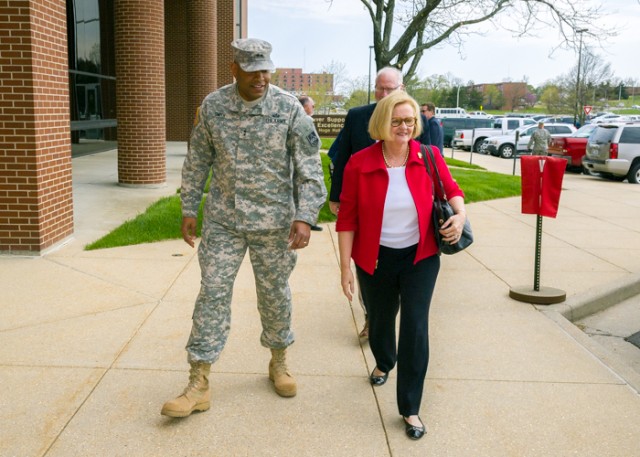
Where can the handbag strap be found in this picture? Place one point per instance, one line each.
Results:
(437, 174)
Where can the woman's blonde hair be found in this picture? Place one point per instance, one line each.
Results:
(380, 123)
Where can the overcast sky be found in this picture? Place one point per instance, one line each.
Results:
(310, 34)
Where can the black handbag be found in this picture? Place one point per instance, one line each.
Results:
(442, 210)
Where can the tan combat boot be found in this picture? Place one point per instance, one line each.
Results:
(197, 395)
(284, 383)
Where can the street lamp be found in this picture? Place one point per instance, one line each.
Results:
(369, 86)
(620, 92)
(575, 117)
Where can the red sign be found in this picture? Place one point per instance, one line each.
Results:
(587, 109)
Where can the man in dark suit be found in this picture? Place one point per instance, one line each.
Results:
(435, 128)
(355, 137)
(355, 133)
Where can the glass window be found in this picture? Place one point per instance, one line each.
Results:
(630, 135)
(92, 90)
(602, 135)
(87, 35)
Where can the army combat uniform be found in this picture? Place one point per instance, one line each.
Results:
(540, 138)
(258, 152)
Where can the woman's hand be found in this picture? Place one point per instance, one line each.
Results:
(451, 230)
(347, 280)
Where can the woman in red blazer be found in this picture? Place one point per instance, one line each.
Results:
(385, 226)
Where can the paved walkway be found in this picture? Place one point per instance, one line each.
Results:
(91, 343)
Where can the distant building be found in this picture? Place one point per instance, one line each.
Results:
(514, 94)
(298, 83)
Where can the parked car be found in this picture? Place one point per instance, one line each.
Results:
(572, 147)
(451, 124)
(606, 117)
(635, 106)
(480, 114)
(505, 145)
(537, 117)
(451, 112)
(501, 126)
(613, 150)
(564, 119)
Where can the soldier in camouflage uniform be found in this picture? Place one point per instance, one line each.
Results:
(261, 147)
(540, 139)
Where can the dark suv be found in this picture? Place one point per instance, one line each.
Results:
(613, 150)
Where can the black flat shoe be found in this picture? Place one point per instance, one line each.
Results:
(316, 228)
(413, 432)
(378, 380)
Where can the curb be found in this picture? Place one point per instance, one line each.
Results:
(594, 300)
(591, 302)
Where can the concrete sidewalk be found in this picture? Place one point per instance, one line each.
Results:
(92, 343)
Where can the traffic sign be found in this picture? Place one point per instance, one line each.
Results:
(587, 109)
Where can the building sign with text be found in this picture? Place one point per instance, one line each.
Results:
(328, 125)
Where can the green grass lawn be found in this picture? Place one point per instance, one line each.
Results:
(162, 220)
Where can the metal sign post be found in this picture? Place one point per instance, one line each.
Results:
(540, 197)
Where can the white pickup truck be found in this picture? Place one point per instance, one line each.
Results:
(464, 139)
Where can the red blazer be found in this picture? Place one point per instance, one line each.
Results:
(364, 190)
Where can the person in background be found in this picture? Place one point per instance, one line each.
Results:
(385, 226)
(436, 132)
(309, 105)
(355, 136)
(540, 140)
(250, 206)
(333, 150)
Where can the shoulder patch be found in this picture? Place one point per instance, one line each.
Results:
(313, 139)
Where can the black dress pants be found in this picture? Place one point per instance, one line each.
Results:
(399, 285)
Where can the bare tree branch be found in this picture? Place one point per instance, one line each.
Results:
(404, 29)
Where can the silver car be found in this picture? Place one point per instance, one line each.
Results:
(505, 145)
(613, 150)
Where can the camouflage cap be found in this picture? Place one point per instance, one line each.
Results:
(252, 54)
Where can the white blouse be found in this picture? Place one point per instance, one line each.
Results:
(400, 218)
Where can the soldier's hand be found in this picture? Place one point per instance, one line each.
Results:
(334, 207)
(299, 235)
(189, 225)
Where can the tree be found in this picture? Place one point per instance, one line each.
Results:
(493, 97)
(340, 77)
(358, 93)
(551, 99)
(473, 97)
(423, 24)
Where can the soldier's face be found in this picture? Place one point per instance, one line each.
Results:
(251, 85)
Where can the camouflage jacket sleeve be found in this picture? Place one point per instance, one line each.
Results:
(196, 167)
(308, 178)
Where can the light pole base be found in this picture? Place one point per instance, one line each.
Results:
(544, 296)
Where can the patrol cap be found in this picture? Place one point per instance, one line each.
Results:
(252, 54)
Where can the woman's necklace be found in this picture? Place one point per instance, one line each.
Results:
(386, 161)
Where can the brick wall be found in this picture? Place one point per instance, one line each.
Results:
(140, 92)
(198, 34)
(226, 34)
(36, 206)
(201, 19)
(176, 45)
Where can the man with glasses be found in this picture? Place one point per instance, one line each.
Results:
(433, 125)
(355, 137)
